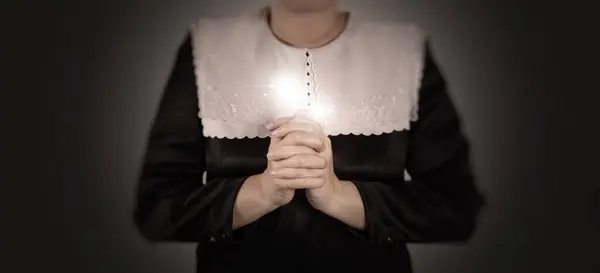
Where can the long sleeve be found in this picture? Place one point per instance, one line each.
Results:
(172, 203)
(441, 202)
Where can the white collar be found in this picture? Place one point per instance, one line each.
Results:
(366, 82)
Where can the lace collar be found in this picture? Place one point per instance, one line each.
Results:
(365, 82)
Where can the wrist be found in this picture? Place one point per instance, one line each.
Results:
(345, 204)
(269, 193)
(262, 198)
(331, 202)
(249, 204)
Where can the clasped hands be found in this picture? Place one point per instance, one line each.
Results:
(299, 157)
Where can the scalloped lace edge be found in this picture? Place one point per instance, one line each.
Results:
(357, 132)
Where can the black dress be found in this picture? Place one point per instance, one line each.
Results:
(440, 203)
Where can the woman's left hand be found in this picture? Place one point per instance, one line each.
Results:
(305, 132)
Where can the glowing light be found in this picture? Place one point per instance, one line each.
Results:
(291, 98)
(288, 89)
(320, 112)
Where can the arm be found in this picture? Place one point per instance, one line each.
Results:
(441, 203)
(172, 202)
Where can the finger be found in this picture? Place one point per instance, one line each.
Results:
(301, 138)
(284, 152)
(278, 122)
(291, 173)
(301, 162)
(301, 183)
(305, 116)
(294, 126)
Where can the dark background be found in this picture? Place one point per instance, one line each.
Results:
(81, 81)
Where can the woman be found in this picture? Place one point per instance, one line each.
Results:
(326, 143)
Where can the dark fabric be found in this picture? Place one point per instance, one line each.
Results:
(439, 204)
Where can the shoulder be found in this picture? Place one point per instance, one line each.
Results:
(228, 35)
(388, 44)
(389, 26)
(241, 26)
(380, 31)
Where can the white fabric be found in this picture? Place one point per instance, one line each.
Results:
(365, 82)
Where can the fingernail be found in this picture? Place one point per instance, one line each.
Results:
(275, 133)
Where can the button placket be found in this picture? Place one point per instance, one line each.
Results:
(309, 83)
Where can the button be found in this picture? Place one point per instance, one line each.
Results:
(212, 239)
(307, 73)
(307, 64)
(224, 235)
(308, 83)
(390, 240)
(308, 94)
(307, 54)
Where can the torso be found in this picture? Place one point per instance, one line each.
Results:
(367, 81)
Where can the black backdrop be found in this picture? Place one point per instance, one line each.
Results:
(81, 80)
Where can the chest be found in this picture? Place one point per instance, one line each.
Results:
(353, 86)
